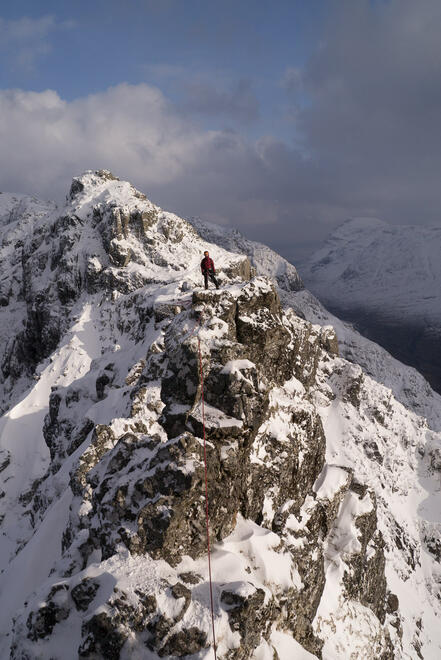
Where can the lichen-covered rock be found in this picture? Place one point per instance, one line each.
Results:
(103, 439)
(265, 451)
(241, 269)
(365, 580)
(329, 340)
(184, 643)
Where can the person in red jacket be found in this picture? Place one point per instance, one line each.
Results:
(208, 270)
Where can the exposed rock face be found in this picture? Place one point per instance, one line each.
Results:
(301, 531)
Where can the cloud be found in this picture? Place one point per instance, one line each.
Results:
(371, 119)
(237, 102)
(292, 79)
(25, 40)
(130, 128)
(366, 122)
(137, 133)
(265, 188)
(208, 94)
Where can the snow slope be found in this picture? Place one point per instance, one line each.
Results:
(386, 279)
(369, 264)
(408, 386)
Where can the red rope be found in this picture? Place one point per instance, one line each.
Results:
(206, 497)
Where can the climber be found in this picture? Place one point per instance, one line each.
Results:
(208, 270)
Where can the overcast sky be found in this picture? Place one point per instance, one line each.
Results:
(280, 118)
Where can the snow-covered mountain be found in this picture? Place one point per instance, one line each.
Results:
(386, 279)
(324, 497)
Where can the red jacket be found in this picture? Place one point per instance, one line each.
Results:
(207, 264)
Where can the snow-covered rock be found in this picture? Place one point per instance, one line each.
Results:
(407, 384)
(323, 489)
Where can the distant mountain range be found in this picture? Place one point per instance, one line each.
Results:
(386, 279)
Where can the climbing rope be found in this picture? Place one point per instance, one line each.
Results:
(207, 520)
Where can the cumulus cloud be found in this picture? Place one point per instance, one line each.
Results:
(137, 133)
(128, 128)
(265, 188)
(23, 41)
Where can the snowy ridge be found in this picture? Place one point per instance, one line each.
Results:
(268, 262)
(53, 253)
(22, 209)
(324, 488)
(19, 216)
